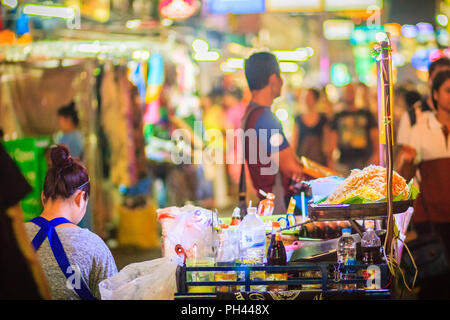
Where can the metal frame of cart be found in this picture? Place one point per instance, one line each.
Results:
(325, 280)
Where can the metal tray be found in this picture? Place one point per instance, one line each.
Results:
(331, 212)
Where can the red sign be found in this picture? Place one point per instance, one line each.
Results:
(178, 9)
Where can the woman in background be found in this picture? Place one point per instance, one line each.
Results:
(72, 138)
(310, 129)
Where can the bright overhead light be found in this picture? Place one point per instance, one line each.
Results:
(224, 67)
(140, 55)
(381, 36)
(200, 45)
(49, 11)
(442, 20)
(10, 3)
(207, 56)
(89, 48)
(282, 114)
(133, 24)
(297, 55)
(235, 63)
(288, 67)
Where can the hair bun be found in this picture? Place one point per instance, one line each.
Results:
(60, 157)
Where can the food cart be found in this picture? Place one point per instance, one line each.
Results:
(312, 269)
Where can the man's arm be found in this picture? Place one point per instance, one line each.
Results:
(288, 163)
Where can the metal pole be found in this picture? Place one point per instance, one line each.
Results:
(386, 81)
(380, 106)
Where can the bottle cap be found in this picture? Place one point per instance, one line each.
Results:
(346, 230)
(275, 224)
(270, 196)
(237, 212)
(251, 210)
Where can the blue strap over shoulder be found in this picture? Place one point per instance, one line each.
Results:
(48, 231)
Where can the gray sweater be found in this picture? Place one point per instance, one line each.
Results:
(83, 249)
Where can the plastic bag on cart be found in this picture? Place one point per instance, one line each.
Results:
(192, 228)
(148, 280)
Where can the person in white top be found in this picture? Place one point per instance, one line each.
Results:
(429, 151)
(421, 108)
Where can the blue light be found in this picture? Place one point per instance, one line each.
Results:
(425, 27)
(237, 7)
(421, 59)
(409, 31)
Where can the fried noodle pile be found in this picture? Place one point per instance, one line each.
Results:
(369, 183)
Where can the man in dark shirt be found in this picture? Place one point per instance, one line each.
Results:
(270, 159)
(354, 133)
(21, 277)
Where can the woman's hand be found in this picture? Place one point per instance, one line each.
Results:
(408, 153)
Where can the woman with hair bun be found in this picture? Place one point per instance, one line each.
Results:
(74, 259)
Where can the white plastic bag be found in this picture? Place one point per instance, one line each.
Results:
(148, 280)
(191, 227)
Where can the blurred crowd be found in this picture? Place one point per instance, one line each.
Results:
(339, 132)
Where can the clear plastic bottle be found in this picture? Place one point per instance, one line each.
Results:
(225, 257)
(346, 255)
(370, 244)
(346, 248)
(252, 233)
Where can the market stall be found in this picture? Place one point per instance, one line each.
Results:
(322, 254)
(123, 89)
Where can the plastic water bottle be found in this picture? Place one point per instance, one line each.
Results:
(346, 255)
(346, 248)
(252, 233)
(370, 244)
(225, 257)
